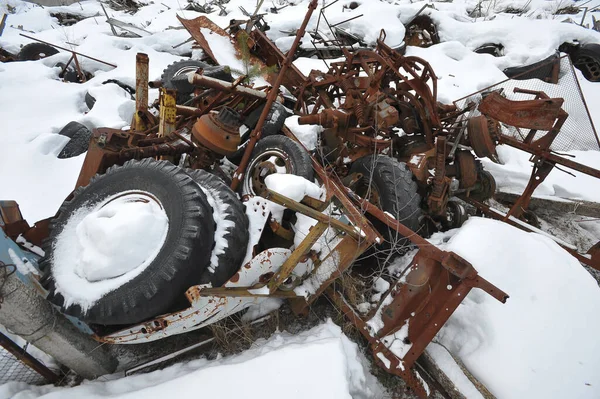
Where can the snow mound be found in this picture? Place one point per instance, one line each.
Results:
(318, 363)
(542, 343)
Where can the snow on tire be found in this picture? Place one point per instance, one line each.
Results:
(275, 154)
(127, 246)
(231, 228)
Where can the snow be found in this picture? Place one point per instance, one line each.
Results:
(541, 343)
(514, 172)
(104, 245)
(223, 226)
(283, 363)
(307, 134)
(445, 362)
(291, 186)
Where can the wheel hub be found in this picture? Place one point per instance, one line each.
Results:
(270, 162)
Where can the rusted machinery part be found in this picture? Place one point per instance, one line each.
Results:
(219, 131)
(540, 113)
(485, 188)
(421, 32)
(480, 137)
(467, 168)
(456, 214)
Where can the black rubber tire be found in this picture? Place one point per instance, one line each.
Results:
(587, 59)
(538, 70)
(183, 256)
(494, 49)
(90, 100)
(275, 121)
(173, 77)
(79, 142)
(393, 182)
(36, 51)
(299, 159)
(226, 264)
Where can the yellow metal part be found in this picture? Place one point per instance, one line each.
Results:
(168, 111)
(302, 250)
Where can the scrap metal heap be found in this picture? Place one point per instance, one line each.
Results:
(362, 102)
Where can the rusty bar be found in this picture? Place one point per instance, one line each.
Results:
(236, 292)
(333, 184)
(141, 91)
(551, 157)
(204, 81)
(31, 362)
(256, 133)
(310, 212)
(303, 248)
(2, 23)
(390, 221)
(72, 51)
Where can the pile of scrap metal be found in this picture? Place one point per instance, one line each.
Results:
(370, 203)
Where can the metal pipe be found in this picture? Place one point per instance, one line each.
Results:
(72, 51)
(204, 81)
(256, 133)
(141, 91)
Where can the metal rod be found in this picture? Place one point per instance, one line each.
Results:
(257, 132)
(141, 91)
(343, 22)
(30, 361)
(66, 49)
(2, 23)
(198, 79)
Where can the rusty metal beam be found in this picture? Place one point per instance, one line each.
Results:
(30, 361)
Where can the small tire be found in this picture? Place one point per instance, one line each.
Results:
(79, 142)
(389, 184)
(90, 100)
(173, 76)
(273, 124)
(36, 51)
(184, 253)
(539, 70)
(231, 228)
(275, 154)
(587, 59)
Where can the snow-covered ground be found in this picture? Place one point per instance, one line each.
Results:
(318, 363)
(539, 344)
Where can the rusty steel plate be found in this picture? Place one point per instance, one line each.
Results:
(537, 114)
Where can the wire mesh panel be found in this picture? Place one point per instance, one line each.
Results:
(12, 369)
(578, 132)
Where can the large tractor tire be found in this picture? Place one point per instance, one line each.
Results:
(389, 185)
(231, 228)
(126, 247)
